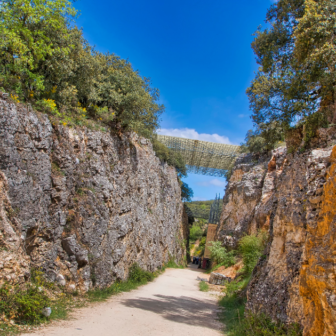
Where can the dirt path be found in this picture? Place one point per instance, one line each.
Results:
(170, 305)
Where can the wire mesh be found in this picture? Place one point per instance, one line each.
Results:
(202, 157)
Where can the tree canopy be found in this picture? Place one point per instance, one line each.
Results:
(45, 60)
(296, 77)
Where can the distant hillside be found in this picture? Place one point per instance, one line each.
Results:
(200, 209)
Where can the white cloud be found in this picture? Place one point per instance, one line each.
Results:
(189, 133)
(213, 182)
(241, 115)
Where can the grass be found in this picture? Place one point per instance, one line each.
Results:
(172, 264)
(240, 323)
(137, 277)
(21, 308)
(203, 286)
(237, 321)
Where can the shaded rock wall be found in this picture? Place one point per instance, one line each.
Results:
(83, 205)
(294, 198)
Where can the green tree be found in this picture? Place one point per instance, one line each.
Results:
(44, 59)
(29, 33)
(297, 66)
(195, 233)
(186, 192)
(315, 48)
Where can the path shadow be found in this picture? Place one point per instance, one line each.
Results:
(194, 267)
(179, 309)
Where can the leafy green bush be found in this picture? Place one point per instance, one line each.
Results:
(195, 233)
(23, 305)
(219, 254)
(64, 76)
(251, 247)
(138, 275)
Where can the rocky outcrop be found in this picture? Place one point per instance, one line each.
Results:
(218, 279)
(83, 205)
(293, 197)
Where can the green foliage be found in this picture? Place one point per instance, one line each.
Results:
(186, 192)
(174, 159)
(238, 285)
(203, 286)
(45, 60)
(195, 233)
(296, 78)
(30, 32)
(263, 138)
(167, 155)
(172, 264)
(23, 305)
(241, 323)
(238, 322)
(219, 254)
(201, 209)
(251, 248)
(199, 252)
(312, 124)
(136, 277)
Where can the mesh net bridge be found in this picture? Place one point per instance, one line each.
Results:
(202, 157)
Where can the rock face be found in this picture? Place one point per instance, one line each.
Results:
(294, 198)
(218, 279)
(83, 205)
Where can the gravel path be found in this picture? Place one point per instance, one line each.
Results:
(171, 305)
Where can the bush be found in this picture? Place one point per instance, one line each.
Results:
(138, 275)
(219, 255)
(23, 306)
(251, 247)
(64, 76)
(195, 233)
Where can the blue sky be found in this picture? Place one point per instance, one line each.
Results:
(197, 53)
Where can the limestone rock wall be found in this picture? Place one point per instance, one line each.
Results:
(293, 196)
(82, 205)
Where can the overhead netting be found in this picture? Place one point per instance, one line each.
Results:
(202, 157)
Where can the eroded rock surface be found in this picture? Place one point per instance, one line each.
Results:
(293, 197)
(84, 205)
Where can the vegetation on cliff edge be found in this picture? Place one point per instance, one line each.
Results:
(46, 62)
(295, 83)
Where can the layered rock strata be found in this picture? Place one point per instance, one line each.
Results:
(293, 197)
(83, 205)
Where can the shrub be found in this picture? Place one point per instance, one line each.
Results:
(24, 306)
(219, 255)
(195, 233)
(138, 275)
(65, 76)
(251, 247)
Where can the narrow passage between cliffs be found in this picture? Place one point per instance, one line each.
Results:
(170, 305)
